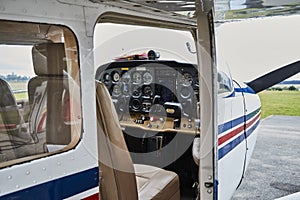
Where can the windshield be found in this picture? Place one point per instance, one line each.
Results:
(114, 40)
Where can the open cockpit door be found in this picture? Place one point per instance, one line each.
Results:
(122, 70)
(208, 100)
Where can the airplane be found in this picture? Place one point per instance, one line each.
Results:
(137, 127)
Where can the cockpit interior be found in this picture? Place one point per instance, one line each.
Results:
(156, 102)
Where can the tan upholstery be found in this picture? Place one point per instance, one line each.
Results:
(156, 183)
(8, 107)
(10, 121)
(47, 91)
(119, 178)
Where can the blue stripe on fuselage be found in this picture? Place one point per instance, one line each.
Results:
(228, 147)
(238, 121)
(228, 125)
(245, 90)
(59, 188)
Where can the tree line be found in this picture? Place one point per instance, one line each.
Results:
(290, 88)
(14, 77)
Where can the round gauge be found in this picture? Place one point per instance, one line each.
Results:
(106, 77)
(147, 91)
(187, 79)
(115, 76)
(136, 104)
(126, 77)
(136, 91)
(147, 78)
(136, 78)
(116, 91)
(185, 92)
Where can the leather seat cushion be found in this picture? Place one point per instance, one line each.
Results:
(156, 183)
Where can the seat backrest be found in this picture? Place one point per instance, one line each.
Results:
(46, 93)
(8, 107)
(117, 177)
(10, 122)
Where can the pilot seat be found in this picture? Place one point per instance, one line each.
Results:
(120, 179)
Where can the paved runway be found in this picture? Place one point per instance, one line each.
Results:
(274, 169)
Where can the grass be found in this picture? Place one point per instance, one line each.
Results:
(22, 85)
(280, 103)
(21, 96)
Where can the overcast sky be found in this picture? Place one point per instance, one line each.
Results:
(16, 59)
(257, 46)
(249, 48)
(113, 41)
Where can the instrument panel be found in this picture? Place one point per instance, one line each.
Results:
(153, 95)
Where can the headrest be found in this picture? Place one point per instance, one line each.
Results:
(7, 97)
(49, 59)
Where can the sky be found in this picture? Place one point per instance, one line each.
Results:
(16, 59)
(257, 46)
(113, 41)
(248, 48)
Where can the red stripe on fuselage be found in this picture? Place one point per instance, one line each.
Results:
(233, 133)
(92, 197)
